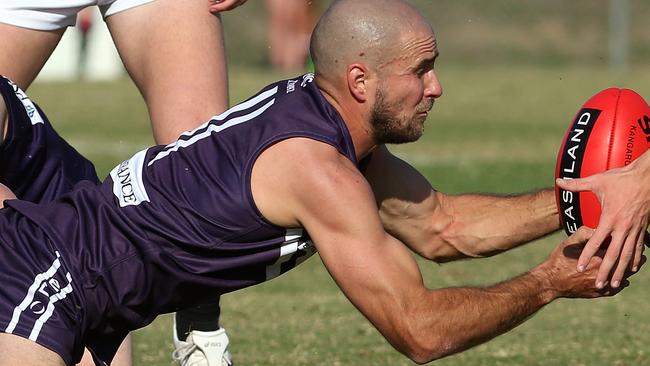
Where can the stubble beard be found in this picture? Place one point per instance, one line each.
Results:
(388, 128)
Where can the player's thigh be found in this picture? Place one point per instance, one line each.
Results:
(173, 50)
(16, 350)
(23, 52)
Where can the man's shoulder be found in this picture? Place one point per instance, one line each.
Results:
(301, 177)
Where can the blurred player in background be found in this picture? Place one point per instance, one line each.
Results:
(85, 24)
(290, 26)
(173, 51)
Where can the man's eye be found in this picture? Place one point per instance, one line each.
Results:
(421, 71)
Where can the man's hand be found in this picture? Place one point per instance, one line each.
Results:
(559, 270)
(624, 195)
(217, 6)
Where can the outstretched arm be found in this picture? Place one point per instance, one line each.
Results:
(624, 195)
(444, 227)
(335, 204)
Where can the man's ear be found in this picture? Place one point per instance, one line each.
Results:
(358, 78)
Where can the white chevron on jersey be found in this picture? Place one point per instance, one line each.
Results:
(292, 247)
(212, 127)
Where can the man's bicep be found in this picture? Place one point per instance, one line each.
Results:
(335, 204)
(374, 270)
(394, 179)
(409, 207)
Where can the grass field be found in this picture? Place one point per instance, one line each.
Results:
(494, 130)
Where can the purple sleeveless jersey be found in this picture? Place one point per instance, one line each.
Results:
(176, 225)
(35, 162)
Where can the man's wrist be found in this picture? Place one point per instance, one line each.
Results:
(543, 280)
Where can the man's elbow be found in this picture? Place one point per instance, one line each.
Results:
(441, 253)
(425, 352)
(423, 345)
(421, 357)
(448, 245)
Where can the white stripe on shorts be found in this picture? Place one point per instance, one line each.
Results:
(50, 308)
(31, 292)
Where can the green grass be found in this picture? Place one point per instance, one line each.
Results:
(495, 130)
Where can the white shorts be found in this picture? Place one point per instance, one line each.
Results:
(56, 14)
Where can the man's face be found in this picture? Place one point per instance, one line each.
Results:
(406, 90)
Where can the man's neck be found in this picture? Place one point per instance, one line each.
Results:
(357, 123)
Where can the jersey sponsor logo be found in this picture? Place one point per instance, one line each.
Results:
(29, 106)
(291, 86)
(128, 186)
(41, 298)
(215, 125)
(295, 249)
(306, 79)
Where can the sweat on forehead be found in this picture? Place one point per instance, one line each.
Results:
(366, 31)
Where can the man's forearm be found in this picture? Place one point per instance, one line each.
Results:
(485, 225)
(460, 318)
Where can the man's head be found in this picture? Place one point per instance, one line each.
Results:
(375, 58)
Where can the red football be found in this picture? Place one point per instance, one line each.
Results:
(609, 131)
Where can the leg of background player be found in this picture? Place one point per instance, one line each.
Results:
(173, 50)
(188, 54)
(23, 52)
(290, 26)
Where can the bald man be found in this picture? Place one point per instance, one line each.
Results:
(300, 167)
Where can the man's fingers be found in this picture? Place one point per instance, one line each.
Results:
(592, 246)
(581, 236)
(609, 260)
(638, 252)
(625, 257)
(575, 185)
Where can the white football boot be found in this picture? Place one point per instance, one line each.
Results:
(203, 349)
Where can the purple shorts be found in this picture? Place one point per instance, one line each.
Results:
(38, 300)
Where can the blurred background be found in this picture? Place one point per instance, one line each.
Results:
(551, 33)
(514, 74)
